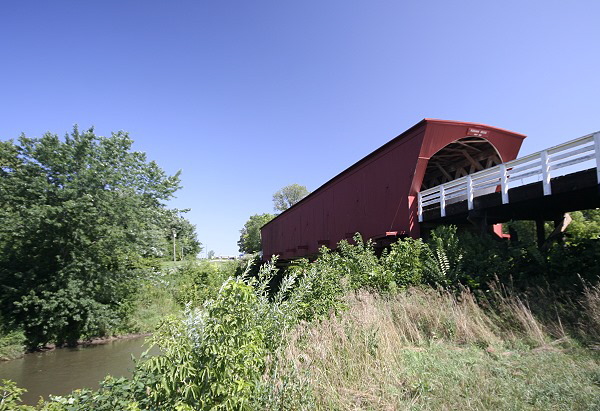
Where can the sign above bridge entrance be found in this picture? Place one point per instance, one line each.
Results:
(477, 132)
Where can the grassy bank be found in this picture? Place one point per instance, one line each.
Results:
(422, 349)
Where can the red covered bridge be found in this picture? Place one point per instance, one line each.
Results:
(377, 196)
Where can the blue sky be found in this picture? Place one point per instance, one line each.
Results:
(246, 97)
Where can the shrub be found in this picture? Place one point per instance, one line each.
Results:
(404, 262)
(194, 282)
(359, 263)
(320, 289)
(212, 358)
(10, 397)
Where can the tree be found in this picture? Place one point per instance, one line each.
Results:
(249, 241)
(76, 216)
(585, 225)
(186, 240)
(288, 196)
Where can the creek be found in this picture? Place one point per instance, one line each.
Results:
(60, 371)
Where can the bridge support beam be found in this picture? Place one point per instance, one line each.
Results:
(540, 231)
(558, 234)
(561, 222)
(479, 220)
(560, 225)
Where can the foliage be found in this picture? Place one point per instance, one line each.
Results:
(398, 267)
(166, 291)
(359, 264)
(212, 358)
(288, 196)
(10, 397)
(11, 344)
(250, 240)
(216, 356)
(404, 261)
(521, 263)
(186, 240)
(77, 215)
(197, 281)
(585, 225)
(444, 265)
(151, 303)
(485, 259)
(350, 330)
(320, 287)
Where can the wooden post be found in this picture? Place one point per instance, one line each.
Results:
(558, 232)
(540, 232)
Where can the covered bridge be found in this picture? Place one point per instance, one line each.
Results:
(377, 196)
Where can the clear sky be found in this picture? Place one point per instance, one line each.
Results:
(249, 96)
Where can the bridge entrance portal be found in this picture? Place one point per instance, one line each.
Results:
(459, 158)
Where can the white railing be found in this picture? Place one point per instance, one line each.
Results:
(569, 156)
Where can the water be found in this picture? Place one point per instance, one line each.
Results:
(63, 370)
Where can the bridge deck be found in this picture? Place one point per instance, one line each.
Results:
(571, 192)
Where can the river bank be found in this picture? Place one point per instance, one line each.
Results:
(12, 347)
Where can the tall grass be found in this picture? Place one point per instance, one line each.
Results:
(591, 309)
(427, 349)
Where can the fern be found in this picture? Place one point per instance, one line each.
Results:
(443, 264)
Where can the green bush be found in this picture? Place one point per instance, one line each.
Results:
(320, 288)
(360, 265)
(404, 262)
(196, 281)
(66, 314)
(10, 397)
(212, 358)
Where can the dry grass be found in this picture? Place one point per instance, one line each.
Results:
(591, 308)
(426, 349)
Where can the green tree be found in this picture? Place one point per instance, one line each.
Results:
(249, 241)
(585, 225)
(76, 215)
(186, 240)
(288, 196)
